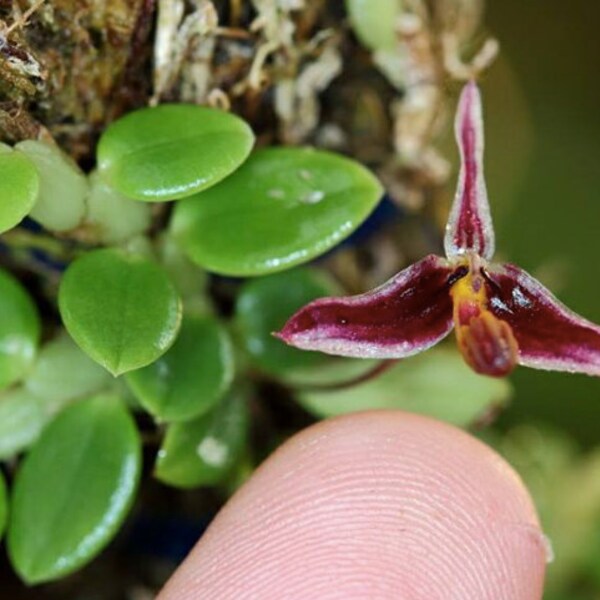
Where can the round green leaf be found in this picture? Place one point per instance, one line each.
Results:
(3, 505)
(265, 304)
(25, 410)
(172, 151)
(437, 383)
(73, 489)
(283, 207)
(22, 418)
(114, 218)
(19, 187)
(57, 358)
(191, 377)
(204, 450)
(19, 330)
(335, 372)
(375, 22)
(63, 187)
(121, 309)
(190, 281)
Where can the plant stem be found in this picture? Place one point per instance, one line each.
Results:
(372, 373)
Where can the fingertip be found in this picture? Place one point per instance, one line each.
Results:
(373, 505)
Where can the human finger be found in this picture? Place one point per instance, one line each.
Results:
(372, 506)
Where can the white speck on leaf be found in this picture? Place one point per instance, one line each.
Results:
(313, 197)
(277, 194)
(213, 452)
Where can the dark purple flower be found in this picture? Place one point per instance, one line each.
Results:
(501, 315)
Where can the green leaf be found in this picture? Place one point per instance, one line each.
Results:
(73, 490)
(19, 187)
(22, 418)
(25, 410)
(19, 330)
(172, 151)
(283, 207)
(265, 304)
(190, 281)
(63, 187)
(191, 377)
(336, 372)
(114, 218)
(3, 505)
(203, 451)
(48, 378)
(437, 383)
(375, 22)
(121, 309)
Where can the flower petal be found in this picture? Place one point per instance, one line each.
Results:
(404, 316)
(470, 225)
(550, 336)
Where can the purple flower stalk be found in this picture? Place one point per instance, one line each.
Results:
(502, 316)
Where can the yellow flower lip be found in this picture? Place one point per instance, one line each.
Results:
(486, 342)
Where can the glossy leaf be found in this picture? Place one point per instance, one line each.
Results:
(191, 377)
(113, 217)
(172, 151)
(204, 450)
(283, 207)
(73, 490)
(3, 505)
(19, 187)
(437, 384)
(189, 280)
(63, 187)
(335, 372)
(22, 418)
(264, 305)
(375, 21)
(19, 330)
(121, 309)
(63, 372)
(25, 411)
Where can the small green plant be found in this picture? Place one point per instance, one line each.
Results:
(141, 332)
(151, 268)
(135, 305)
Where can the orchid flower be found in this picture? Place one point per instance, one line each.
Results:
(502, 316)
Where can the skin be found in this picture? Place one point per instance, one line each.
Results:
(378, 505)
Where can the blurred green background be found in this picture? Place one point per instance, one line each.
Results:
(551, 225)
(548, 221)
